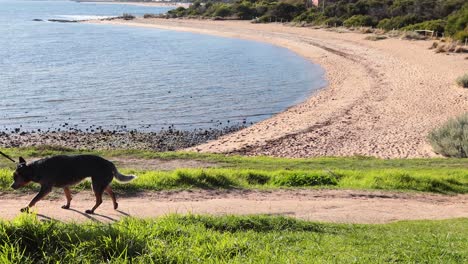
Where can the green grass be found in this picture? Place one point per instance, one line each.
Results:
(242, 162)
(424, 175)
(434, 180)
(233, 239)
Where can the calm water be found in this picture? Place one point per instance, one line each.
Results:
(146, 79)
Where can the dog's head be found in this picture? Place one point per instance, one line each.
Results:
(22, 175)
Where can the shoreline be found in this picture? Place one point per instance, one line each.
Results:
(382, 98)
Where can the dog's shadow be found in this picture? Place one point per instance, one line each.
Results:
(88, 216)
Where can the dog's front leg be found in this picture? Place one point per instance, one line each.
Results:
(45, 189)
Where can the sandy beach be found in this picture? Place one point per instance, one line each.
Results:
(382, 97)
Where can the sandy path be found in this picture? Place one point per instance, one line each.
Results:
(382, 98)
(318, 205)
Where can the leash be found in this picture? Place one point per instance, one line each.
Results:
(8, 157)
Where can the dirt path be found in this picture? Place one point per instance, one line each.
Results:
(341, 206)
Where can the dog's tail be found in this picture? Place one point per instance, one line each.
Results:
(123, 178)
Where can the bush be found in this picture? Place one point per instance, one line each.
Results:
(333, 21)
(463, 81)
(458, 22)
(311, 16)
(178, 12)
(451, 139)
(434, 25)
(222, 11)
(359, 21)
(126, 16)
(150, 16)
(413, 36)
(461, 35)
(397, 22)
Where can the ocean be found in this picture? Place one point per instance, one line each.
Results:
(79, 75)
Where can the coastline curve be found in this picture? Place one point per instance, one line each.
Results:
(381, 100)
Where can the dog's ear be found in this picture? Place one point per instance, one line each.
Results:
(22, 161)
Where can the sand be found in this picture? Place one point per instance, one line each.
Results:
(339, 206)
(382, 98)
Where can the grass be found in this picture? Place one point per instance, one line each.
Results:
(448, 176)
(444, 181)
(243, 162)
(463, 81)
(233, 239)
(376, 37)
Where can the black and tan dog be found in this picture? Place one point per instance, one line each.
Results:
(64, 171)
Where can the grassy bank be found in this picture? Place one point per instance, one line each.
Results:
(425, 175)
(246, 239)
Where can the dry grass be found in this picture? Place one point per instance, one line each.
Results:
(434, 45)
(463, 81)
(376, 37)
(410, 35)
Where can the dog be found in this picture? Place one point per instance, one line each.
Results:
(63, 171)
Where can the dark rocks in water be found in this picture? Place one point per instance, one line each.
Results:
(63, 20)
(37, 19)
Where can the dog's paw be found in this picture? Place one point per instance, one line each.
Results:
(89, 212)
(116, 205)
(65, 207)
(25, 210)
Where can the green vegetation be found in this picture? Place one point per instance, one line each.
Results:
(437, 25)
(429, 180)
(449, 16)
(359, 21)
(451, 139)
(266, 11)
(424, 175)
(463, 81)
(233, 239)
(457, 24)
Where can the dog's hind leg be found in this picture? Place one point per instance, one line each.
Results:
(112, 195)
(68, 196)
(98, 191)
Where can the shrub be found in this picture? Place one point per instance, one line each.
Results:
(178, 12)
(463, 81)
(333, 21)
(150, 16)
(311, 16)
(359, 21)
(451, 139)
(435, 25)
(397, 22)
(413, 36)
(126, 16)
(222, 11)
(461, 35)
(458, 22)
(375, 37)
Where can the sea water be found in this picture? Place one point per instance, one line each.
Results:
(81, 74)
